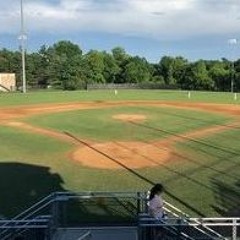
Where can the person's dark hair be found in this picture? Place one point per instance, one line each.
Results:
(157, 188)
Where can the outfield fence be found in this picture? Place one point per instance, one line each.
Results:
(143, 85)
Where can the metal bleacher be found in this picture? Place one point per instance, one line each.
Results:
(109, 215)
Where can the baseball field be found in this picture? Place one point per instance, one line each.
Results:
(122, 141)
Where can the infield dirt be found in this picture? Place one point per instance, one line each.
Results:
(116, 155)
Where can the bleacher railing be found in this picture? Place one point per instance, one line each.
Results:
(177, 228)
(67, 209)
(85, 236)
(195, 224)
(31, 229)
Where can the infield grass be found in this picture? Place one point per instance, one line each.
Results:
(100, 125)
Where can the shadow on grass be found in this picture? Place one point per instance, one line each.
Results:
(22, 185)
(227, 199)
(100, 211)
(135, 173)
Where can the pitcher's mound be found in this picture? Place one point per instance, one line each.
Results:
(130, 117)
(116, 155)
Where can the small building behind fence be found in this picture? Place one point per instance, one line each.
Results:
(7, 82)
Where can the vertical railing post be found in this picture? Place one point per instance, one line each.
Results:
(144, 199)
(55, 211)
(139, 232)
(50, 229)
(138, 203)
(234, 229)
(64, 213)
(179, 228)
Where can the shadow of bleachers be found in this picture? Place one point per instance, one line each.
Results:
(22, 185)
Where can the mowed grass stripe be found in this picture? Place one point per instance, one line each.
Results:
(99, 125)
(220, 177)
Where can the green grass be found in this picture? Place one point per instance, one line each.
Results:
(99, 125)
(210, 179)
(187, 179)
(32, 166)
(14, 99)
(206, 180)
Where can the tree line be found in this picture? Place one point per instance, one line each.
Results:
(63, 65)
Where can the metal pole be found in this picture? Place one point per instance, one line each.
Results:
(232, 77)
(23, 38)
(232, 42)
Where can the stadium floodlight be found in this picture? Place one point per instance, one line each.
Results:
(232, 42)
(23, 38)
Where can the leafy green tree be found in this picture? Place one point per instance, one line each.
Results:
(63, 61)
(5, 60)
(196, 77)
(95, 64)
(63, 65)
(166, 69)
(219, 72)
(10, 62)
(172, 69)
(119, 55)
(67, 49)
(122, 59)
(111, 69)
(137, 70)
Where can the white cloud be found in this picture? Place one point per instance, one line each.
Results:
(162, 19)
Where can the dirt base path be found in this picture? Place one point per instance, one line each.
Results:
(114, 155)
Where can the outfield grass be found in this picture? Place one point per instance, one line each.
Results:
(207, 180)
(212, 168)
(14, 99)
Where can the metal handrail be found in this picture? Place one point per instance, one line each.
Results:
(176, 212)
(195, 222)
(27, 213)
(85, 236)
(21, 226)
(47, 198)
(200, 224)
(60, 196)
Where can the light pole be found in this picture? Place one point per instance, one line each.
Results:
(232, 42)
(23, 38)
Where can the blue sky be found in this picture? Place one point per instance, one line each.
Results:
(195, 29)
